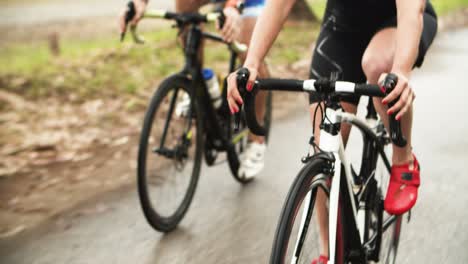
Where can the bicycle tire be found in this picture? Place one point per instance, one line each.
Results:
(307, 180)
(234, 153)
(392, 250)
(160, 222)
(391, 236)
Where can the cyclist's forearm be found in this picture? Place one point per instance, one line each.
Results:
(266, 30)
(409, 30)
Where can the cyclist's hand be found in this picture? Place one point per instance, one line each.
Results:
(402, 89)
(140, 7)
(231, 26)
(233, 96)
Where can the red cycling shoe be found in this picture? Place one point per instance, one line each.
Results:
(321, 260)
(402, 191)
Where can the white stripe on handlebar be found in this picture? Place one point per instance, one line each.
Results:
(308, 85)
(212, 17)
(340, 86)
(156, 13)
(347, 87)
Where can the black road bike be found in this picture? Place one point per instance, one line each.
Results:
(328, 192)
(174, 137)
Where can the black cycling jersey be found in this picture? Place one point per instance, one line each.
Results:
(352, 15)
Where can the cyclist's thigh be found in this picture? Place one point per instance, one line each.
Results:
(382, 46)
(246, 29)
(339, 51)
(250, 14)
(189, 5)
(378, 57)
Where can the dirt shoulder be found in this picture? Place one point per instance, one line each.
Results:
(71, 158)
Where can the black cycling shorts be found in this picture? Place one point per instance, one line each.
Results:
(341, 45)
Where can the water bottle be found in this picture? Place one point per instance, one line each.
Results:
(213, 87)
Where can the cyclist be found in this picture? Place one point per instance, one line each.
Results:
(236, 27)
(362, 40)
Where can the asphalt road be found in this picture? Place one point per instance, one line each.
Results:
(228, 223)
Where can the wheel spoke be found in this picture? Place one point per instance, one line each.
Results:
(169, 117)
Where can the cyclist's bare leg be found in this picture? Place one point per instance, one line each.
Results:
(187, 6)
(320, 204)
(247, 26)
(378, 59)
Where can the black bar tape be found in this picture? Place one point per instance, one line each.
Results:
(369, 90)
(281, 85)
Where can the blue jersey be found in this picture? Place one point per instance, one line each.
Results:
(247, 3)
(250, 3)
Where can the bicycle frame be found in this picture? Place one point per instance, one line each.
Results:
(358, 243)
(193, 71)
(343, 181)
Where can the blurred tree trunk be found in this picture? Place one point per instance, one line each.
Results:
(302, 11)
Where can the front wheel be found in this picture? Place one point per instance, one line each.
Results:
(169, 155)
(303, 239)
(391, 225)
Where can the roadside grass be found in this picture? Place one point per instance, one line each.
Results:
(88, 67)
(103, 66)
(442, 7)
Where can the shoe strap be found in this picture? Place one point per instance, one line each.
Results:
(404, 175)
(320, 260)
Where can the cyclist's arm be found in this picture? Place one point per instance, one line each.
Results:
(231, 25)
(266, 30)
(408, 35)
(140, 6)
(409, 30)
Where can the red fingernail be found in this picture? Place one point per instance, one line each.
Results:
(384, 102)
(398, 118)
(240, 101)
(230, 109)
(236, 109)
(249, 86)
(389, 112)
(383, 89)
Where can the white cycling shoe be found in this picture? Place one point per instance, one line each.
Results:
(252, 160)
(183, 106)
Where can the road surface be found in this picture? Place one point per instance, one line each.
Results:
(228, 223)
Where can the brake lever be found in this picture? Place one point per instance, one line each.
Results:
(242, 77)
(396, 134)
(221, 19)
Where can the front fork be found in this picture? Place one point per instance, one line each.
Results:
(330, 141)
